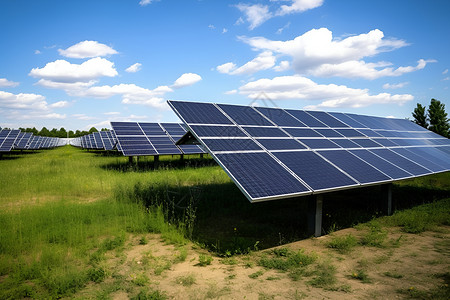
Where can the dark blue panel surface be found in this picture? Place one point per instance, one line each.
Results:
(350, 133)
(329, 133)
(306, 118)
(347, 120)
(439, 155)
(319, 143)
(314, 170)
(381, 164)
(369, 133)
(152, 129)
(199, 113)
(419, 159)
(260, 175)
(385, 142)
(302, 132)
(366, 143)
(265, 132)
(355, 167)
(231, 144)
(327, 119)
(281, 144)
(400, 161)
(280, 117)
(345, 143)
(218, 131)
(244, 115)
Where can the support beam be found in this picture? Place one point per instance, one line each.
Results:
(386, 199)
(181, 156)
(130, 159)
(315, 204)
(201, 155)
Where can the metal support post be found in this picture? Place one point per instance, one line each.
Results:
(386, 199)
(315, 204)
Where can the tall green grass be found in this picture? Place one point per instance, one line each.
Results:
(63, 210)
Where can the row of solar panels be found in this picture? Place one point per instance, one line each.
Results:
(275, 153)
(17, 140)
(139, 139)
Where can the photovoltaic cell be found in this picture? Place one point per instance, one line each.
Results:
(244, 115)
(260, 175)
(355, 167)
(306, 118)
(281, 144)
(312, 169)
(280, 117)
(401, 162)
(231, 145)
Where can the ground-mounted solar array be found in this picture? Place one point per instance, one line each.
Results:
(140, 139)
(273, 153)
(17, 140)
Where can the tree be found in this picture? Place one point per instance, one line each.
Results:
(439, 122)
(420, 115)
(93, 129)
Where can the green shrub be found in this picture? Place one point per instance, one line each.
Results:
(342, 244)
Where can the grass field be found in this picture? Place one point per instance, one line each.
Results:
(67, 217)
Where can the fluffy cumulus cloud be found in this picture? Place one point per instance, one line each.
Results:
(6, 83)
(263, 61)
(134, 68)
(317, 53)
(330, 95)
(27, 106)
(63, 71)
(186, 79)
(87, 49)
(257, 14)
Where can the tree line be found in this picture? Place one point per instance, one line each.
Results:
(61, 133)
(434, 118)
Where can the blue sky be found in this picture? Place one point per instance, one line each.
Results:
(78, 64)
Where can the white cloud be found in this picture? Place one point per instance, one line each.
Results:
(231, 92)
(283, 66)
(280, 30)
(255, 14)
(65, 72)
(130, 93)
(263, 61)
(134, 68)
(37, 52)
(331, 95)
(317, 47)
(87, 49)
(395, 85)
(445, 72)
(146, 2)
(211, 26)
(446, 78)
(71, 88)
(112, 113)
(298, 6)
(186, 79)
(316, 52)
(6, 83)
(361, 69)
(23, 101)
(59, 104)
(224, 30)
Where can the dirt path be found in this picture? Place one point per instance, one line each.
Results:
(406, 266)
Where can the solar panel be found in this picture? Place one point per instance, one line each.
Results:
(7, 139)
(273, 153)
(24, 141)
(139, 138)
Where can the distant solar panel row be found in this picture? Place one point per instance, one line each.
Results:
(277, 153)
(103, 140)
(139, 139)
(15, 139)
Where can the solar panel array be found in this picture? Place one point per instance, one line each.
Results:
(139, 139)
(15, 139)
(275, 153)
(103, 140)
